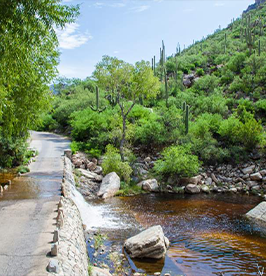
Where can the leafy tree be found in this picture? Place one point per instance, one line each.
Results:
(126, 83)
(28, 59)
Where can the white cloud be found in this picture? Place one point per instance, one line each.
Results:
(98, 5)
(116, 52)
(219, 4)
(140, 8)
(71, 38)
(118, 5)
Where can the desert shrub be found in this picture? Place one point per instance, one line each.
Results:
(206, 84)
(12, 151)
(241, 129)
(177, 160)
(261, 105)
(236, 63)
(227, 76)
(200, 72)
(91, 127)
(150, 131)
(47, 123)
(202, 141)
(112, 163)
(237, 85)
(215, 103)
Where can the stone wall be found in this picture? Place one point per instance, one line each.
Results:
(68, 251)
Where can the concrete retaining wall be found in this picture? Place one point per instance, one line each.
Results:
(69, 249)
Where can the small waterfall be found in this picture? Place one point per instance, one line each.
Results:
(95, 217)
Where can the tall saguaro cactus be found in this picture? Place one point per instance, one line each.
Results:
(185, 108)
(166, 89)
(97, 102)
(225, 42)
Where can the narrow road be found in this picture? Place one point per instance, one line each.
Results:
(28, 210)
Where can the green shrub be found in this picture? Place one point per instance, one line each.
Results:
(12, 151)
(205, 84)
(177, 160)
(236, 62)
(47, 123)
(243, 130)
(112, 163)
(261, 105)
(23, 169)
(200, 72)
(91, 127)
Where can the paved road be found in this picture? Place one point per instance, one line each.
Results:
(27, 210)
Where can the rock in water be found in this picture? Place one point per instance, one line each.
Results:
(150, 243)
(150, 185)
(109, 186)
(258, 213)
(192, 189)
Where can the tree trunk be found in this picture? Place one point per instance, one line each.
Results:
(122, 142)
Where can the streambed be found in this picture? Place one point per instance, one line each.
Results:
(208, 233)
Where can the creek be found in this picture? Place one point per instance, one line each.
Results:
(208, 233)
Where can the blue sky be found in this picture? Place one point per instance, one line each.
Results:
(132, 30)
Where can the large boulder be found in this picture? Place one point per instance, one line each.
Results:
(258, 213)
(150, 185)
(192, 189)
(150, 243)
(109, 186)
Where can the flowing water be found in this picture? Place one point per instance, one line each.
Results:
(208, 233)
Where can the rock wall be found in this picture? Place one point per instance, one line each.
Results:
(69, 249)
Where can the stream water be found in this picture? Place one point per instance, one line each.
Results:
(208, 233)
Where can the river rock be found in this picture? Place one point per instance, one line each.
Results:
(214, 178)
(110, 185)
(150, 243)
(205, 189)
(258, 213)
(191, 180)
(150, 185)
(96, 271)
(263, 172)
(91, 175)
(98, 170)
(248, 170)
(208, 181)
(192, 189)
(91, 166)
(256, 176)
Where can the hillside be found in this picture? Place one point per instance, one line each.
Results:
(210, 107)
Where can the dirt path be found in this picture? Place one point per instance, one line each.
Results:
(27, 210)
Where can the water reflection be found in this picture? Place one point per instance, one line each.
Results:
(29, 186)
(208, 234)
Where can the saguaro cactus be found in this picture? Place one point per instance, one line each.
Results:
(185, 108)
(97, 102)
(166, 89)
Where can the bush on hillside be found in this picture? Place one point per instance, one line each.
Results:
(112, 163)
(177, 160)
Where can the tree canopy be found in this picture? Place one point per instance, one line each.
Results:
(28, 58)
